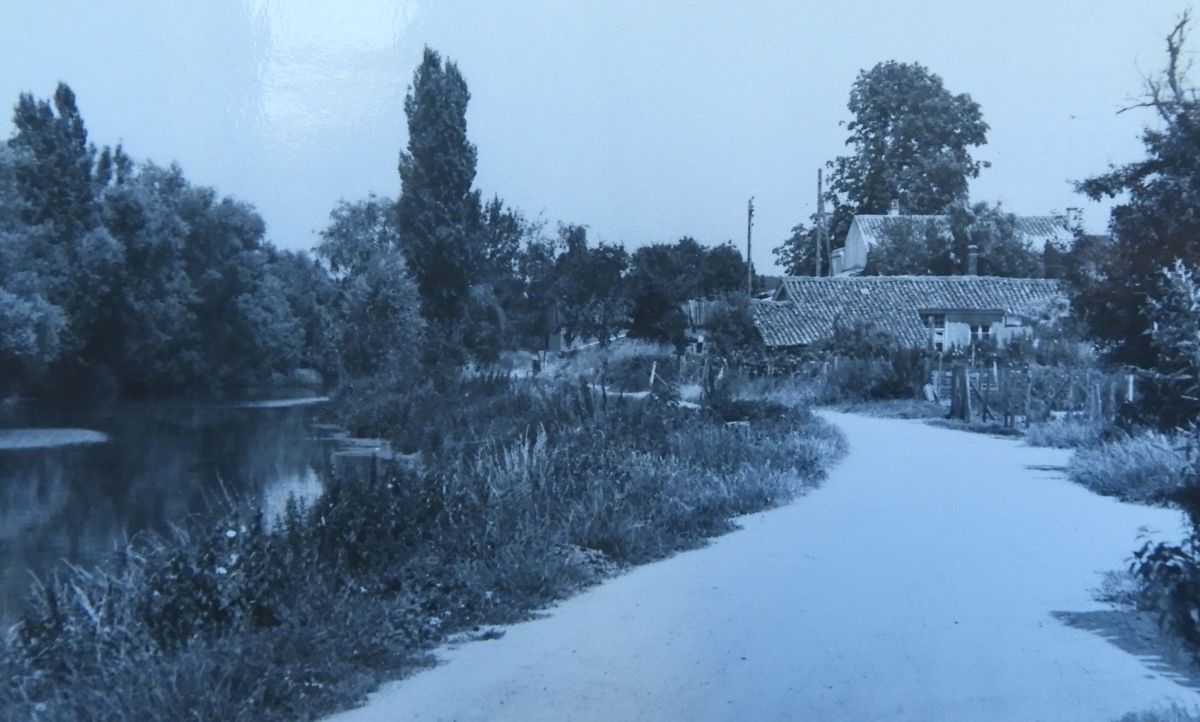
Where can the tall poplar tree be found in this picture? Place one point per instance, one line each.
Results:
(438, 212)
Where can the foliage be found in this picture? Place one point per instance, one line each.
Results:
(915, 248)
(632, 373)
(439, 215)
(927, 247)
(722, 271)
(238, 619)
(588, 285)
(1147, 467)
(729, 330)
(1070, 432)
(132, 279)
(664, 276)
(1002, 249)
(911, 141)
(30, 332)
(1175, 338)
(1154, 227)
(379, 326)
(797, 253)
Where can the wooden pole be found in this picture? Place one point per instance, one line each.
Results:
(818, 237)
(749, 265)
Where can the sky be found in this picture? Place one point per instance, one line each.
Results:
(645, 121)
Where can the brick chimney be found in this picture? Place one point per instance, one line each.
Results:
(972, 260)
(894, 209)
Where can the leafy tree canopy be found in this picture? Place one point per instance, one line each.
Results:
(1158, 224)
(797, 253)
(911, 142)
(928, 247)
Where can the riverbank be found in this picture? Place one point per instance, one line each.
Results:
(535, 489)
(79, 479)
(933, 576)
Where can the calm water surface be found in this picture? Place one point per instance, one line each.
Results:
(161, 462)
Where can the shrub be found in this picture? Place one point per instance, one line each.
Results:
(632, 373)
(1148, 467)
(1070, 432)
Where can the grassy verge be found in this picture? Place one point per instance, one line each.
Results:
(1148, 468)
(527, 492)
(1071, 432)
(895, 409)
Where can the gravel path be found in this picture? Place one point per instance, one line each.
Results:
(925, 580)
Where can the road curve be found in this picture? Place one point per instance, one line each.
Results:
(920, 582)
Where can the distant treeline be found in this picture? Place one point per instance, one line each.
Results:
(123, 277)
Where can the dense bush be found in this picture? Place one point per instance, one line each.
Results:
(546, 487)
(632, 373)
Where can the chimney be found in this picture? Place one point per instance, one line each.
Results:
(972, 260)
(894, 209)
(1074, 219)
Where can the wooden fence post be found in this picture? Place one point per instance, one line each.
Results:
(960, 394)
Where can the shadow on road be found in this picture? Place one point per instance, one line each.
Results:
(1137, 633)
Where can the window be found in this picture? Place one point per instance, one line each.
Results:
(980, 331)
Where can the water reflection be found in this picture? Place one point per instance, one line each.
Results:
(162, 463)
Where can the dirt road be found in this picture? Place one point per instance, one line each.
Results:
(925, 580)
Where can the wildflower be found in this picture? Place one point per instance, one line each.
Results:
(230, 534)
(222, 571)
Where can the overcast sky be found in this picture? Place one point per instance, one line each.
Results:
(644, 120)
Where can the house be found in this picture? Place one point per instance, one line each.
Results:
(941, 312)
(866, 231)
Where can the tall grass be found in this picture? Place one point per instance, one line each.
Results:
(1148, 467)
(533, 491)
(1071, 432)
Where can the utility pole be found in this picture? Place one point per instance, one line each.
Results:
(749, 265)
(819, 235)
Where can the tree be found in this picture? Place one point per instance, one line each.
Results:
(30, 333)
(65, 246)
(722, 271)
(438, 212)
(797, 253)
(662, 277)
(376, 310)
(1156, 226)
(1003, 250)
(536, 317)
(124, 279)
(913, 248)
(588, 286)
(941, 247)
(155, 343)
(1176, 339)
(911, 141)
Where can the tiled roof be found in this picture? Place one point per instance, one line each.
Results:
(1036, 229)
(805, 309)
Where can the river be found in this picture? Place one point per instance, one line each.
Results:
(77, 481)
